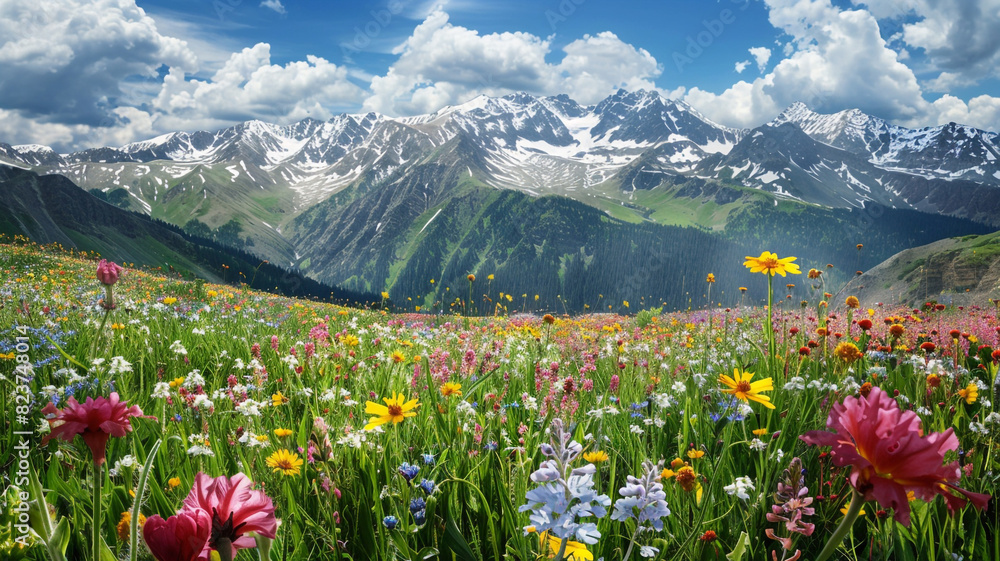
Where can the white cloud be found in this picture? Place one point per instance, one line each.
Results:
(741, 66)
(273, 5)
(760, 55)
(959, 38)
(982, 111)
(442, 64)
(839, 61)
(65, 60)
(248, 86)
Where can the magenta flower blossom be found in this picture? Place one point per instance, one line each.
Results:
(96, 420)
(108, 271)
(181, 537)
(235, 510)
(890, 455)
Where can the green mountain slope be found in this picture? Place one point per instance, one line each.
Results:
(962, 271)
(51, 209)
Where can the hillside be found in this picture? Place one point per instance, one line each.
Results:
(961, 271)
(51, 209)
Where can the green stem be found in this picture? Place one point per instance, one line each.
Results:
(137, 505)
(631, 542)
(857, 500)
(98, 473)
(769, 329)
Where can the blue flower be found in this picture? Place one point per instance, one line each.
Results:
(491, 446)
(390, 522)
(419, 517)
(427, 485)
(643, 499)
(408, 471)
(428, 459)
(417, 504)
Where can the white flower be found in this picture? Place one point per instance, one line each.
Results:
(250, 408)
(993, 418)
(636, 429)
(161, 390)
(202, 402)
(758, 445)
(977, 427)
(178, 348)
(194, 379)
(119, 365)
(795, 383)
(648, 551)
(740, 487)
(678, 387)
(250, 439)
(198, 331)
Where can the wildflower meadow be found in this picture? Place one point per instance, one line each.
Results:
(147, 417)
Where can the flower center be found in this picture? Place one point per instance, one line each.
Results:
(395, 411)
(743, 386)
(769, 263)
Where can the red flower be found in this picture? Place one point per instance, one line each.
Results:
(865, 324)
(235, 510)
(108, 271)
(95, 420)
(181, 537)
(889, 454)
(928, 346)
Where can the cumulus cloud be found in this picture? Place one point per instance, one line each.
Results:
(760, 55)
(442, 64)
(839, 61)
(248, 86)
(273, 5)
(65, 60)
(960, 40)
(741, 66)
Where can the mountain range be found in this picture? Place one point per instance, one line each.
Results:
(381, 203)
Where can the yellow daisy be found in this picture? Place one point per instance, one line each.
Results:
(741, 387)
(396, 409)
(768, 263)
(288, 463)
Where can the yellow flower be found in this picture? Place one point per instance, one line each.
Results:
(350, 340)
(281, 433)
(667, 473)
(575, 551)
(169, 300)
(710, 278)
(843, 510)
(741, 387)
(695, 454)
(760, 431)
(174, 482)
(124, 527)
(398, 357)
(769, 264)
(176, 382)
(852, 302)
(396, 409)
(970, 393)
(848, 352)
(278, 399)
(385, 295)
(451, 388)
(288, 463)
(596, 457)
(489, 277)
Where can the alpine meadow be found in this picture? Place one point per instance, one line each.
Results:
(571, 280)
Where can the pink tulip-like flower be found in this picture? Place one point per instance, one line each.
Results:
(96, 420)
(235, 510)
(108, 271)
(181, 537)
(890, 455)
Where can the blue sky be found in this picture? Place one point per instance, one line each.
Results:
(79, 73)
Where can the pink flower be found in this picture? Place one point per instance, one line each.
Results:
(235, 510)
(108, 271)
(890, 455)
(95, 420)
(181, 537)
